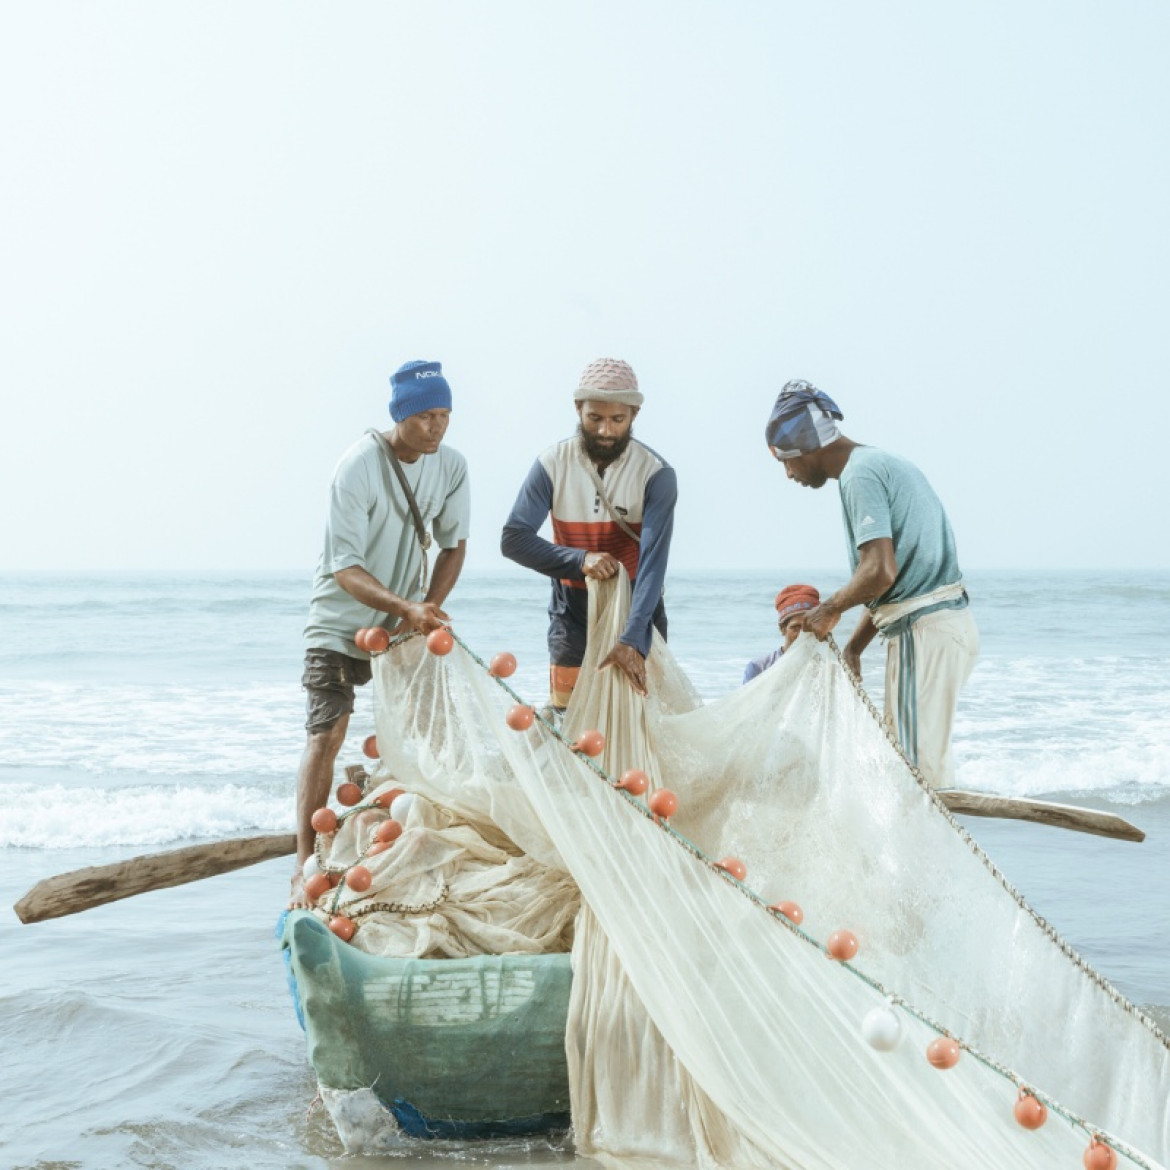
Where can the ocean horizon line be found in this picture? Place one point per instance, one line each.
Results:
(518, 570)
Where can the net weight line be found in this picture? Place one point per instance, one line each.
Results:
(1073, 1119)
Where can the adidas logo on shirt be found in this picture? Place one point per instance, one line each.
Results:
(867, 522)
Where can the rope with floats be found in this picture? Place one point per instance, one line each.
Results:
(1095, 1134)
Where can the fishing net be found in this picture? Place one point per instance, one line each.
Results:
(704, 1028)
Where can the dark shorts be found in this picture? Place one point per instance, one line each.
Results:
(329, 680)
(568, 627)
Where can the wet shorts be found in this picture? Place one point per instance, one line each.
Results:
(329, 680)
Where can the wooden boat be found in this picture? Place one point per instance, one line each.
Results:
(401, 1026)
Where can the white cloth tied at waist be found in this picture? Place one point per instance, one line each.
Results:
(885, 615)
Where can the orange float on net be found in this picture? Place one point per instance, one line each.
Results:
(387, 798)
(316, 885)
(342, 927)
(359, 639)
(733, 866)
(663, 803)
(1030, 1113)
(388, 831)
(520, 717)
(590, 743)
(503, 665)
(324, 820)
(377, 847)
(349, 794)
(440, 641)
(790, 910)
(358, 878)
(1099, 1156)
(943, 1052)
(377, 640)
(370, 747)
(635, 781)
(842, 944)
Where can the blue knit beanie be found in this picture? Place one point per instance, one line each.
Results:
(418, 386)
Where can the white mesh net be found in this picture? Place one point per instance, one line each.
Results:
(704, 1028)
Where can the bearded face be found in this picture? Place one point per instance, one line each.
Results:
(604, 450)
(605, 429)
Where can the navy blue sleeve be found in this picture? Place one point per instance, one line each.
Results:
(520, 540)
(654, 551)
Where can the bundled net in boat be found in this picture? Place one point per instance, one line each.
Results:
(704, 1028)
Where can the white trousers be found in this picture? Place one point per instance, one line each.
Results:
(926, 668)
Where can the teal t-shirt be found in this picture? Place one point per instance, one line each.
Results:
(370, 525)
(884, 495)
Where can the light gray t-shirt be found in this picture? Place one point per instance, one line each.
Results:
(370, 525)
(884, 495)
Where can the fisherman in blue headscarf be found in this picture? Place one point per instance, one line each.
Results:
(905, 573)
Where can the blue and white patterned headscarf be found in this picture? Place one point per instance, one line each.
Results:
(802, 420)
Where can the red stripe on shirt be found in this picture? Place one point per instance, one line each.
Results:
(598, 536)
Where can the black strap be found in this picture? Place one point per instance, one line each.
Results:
(599, 487)
(420, 528)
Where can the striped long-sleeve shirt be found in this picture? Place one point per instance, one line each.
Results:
(641, 486)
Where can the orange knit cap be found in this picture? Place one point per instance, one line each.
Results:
(793, 598)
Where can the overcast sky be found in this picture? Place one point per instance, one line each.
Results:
(224, 224)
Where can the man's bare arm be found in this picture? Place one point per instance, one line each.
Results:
(448, 566)
(865, 633)
(364, 587)
(875, 573)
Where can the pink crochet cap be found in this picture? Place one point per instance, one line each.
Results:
(608, 380)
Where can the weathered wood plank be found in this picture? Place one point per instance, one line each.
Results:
(1041, 812)
(82, 889)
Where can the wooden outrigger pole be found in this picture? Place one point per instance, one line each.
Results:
(82, 889)
(1041, 812)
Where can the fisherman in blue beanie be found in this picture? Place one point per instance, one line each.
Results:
(905, 573)
(418, 386)
(394, 494)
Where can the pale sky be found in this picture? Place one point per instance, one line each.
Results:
(224, 224)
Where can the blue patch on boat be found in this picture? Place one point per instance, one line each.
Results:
(415, 1125)
(290, 978)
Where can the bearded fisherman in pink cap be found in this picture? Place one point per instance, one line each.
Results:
(791, 603)
(611, 499)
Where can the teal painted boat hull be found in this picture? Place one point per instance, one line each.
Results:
(454, 1048)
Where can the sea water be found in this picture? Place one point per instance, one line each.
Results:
(145, 712)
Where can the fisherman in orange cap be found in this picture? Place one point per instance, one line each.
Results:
(792, 602)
